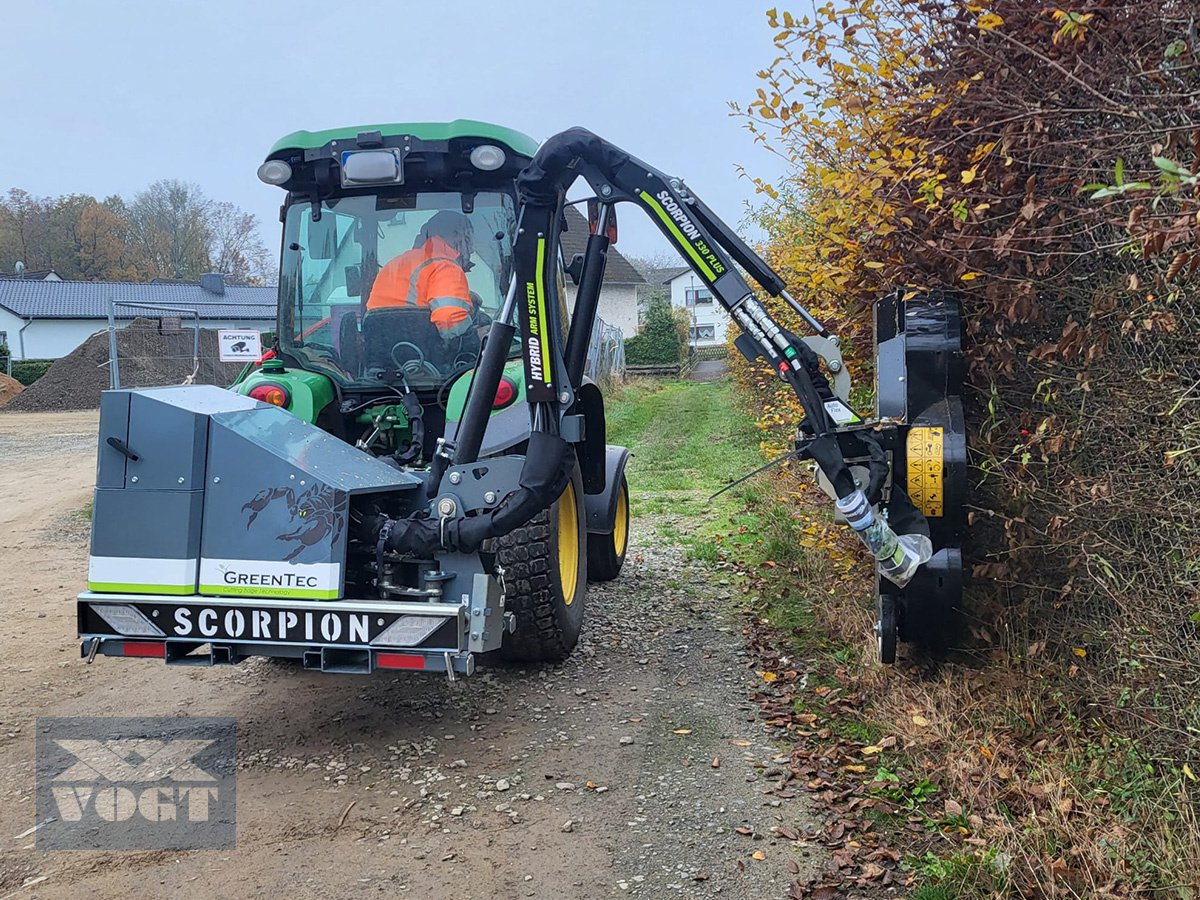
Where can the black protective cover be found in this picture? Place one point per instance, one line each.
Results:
(553, 168)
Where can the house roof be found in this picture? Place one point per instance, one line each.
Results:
(40, 275)
(671, 274)
(617, 269)
(89, 299)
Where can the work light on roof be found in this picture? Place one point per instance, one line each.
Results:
(487, 157)
(274, 171)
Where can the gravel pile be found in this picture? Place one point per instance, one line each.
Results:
(149, 356)
(9, 388)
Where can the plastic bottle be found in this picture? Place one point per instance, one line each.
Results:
(899, 555)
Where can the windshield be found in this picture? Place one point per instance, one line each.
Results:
(396, 288)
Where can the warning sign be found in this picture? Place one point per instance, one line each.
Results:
(239, 346)
(925, 470)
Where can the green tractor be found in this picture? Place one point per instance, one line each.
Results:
(385, 379)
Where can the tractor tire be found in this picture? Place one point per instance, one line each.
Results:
(545, 578)
(606, 552)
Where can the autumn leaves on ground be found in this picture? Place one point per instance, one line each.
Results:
(1040, 161)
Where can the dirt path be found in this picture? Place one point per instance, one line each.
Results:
(625, 772)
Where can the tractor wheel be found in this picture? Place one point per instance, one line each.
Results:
(545, 576)
(606, 552)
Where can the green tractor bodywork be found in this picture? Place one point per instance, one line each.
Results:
(459, 129)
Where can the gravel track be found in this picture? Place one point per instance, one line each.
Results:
(626, 771)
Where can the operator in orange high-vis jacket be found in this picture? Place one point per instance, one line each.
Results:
(432, 274)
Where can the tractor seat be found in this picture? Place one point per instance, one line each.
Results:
(383, 329)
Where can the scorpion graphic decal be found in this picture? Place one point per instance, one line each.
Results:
(317, 509)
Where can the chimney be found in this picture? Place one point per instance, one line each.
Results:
(213, 282)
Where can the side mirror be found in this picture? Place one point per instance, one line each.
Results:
(610, 230)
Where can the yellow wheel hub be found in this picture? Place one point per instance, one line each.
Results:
(621, 525)
(568, 543)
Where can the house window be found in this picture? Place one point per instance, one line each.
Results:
(698, 297)
(702, 332)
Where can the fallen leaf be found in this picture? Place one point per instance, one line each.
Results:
(768, 677)
(921, 721)
(1079, 651)
(1187, 770)
(856, 768)
(889, 741)
(759, 855)
(744, 830)
(1065, 805)
(968, 175)
(700, 876)
(683, 731)
(953, 808)
(872, 750)
(740, 743)
(793, 867)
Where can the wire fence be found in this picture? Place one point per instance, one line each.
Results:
(151, 345)
(606, 354)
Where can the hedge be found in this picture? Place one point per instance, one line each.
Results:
(658, 343)
(27, 371)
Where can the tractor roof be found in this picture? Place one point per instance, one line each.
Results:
(425, 131)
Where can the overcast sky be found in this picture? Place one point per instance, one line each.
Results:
(106, 97)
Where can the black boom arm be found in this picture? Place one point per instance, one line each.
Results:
(553, 370)
(706, 243)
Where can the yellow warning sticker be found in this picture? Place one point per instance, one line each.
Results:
(925, 470)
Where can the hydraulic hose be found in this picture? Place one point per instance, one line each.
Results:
(544, 476)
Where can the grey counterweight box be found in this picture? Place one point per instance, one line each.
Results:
(149, 502)
(199, 488)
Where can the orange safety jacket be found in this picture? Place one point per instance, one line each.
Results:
(427, 276)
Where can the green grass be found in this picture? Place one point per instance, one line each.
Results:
(689, 440)
(961, 876)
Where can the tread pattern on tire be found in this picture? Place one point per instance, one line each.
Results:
(526, 555)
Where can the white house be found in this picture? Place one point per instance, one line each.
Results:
(619, 291)
(49, 319)
(708, 318)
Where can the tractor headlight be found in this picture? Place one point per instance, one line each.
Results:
(274, 171)
(487, 157)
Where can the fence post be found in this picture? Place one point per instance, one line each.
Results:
(114, 372)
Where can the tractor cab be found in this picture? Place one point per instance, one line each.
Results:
(397, 252)
(375, 296)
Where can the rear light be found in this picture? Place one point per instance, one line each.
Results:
(152, 649)
(399, 661)
(506, 393)
(275, 394)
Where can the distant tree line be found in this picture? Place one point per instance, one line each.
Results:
(169, 230)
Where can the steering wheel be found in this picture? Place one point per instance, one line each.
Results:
(414, 362)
